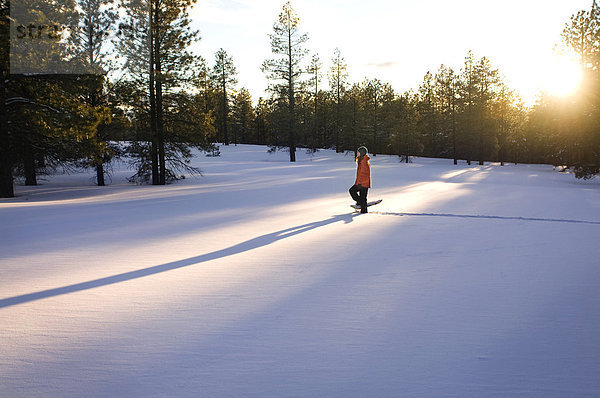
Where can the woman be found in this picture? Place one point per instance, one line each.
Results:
(363, 179)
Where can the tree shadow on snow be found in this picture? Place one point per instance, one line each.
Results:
(516, 218)
(248, 245)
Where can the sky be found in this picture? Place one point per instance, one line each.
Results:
(398, 41)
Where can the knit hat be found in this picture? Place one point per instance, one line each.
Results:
(362, 151)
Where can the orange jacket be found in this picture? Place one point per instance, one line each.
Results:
(363, 173)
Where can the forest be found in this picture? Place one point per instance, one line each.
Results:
(129, 88)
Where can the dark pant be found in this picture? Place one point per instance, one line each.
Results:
(359, 194)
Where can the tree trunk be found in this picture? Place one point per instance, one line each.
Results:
(482, 126)
(153, 132)
(7, 189)
(6, 177)
(374, 147)
(407, 148)
(315, 137)
(160, 131)
(454, 135)
(354, 125)
(100, 173)
(292, 115)
(29, 163)
(338, 149)
(94, 100)
(225, 108)
(375, 126)
(292, 133)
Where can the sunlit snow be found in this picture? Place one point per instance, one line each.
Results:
(258, 280)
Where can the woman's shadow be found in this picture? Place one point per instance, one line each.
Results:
(242, 247)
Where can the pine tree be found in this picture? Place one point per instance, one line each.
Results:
(509, 115)
(390, 118)
(446, 93)
(89, 45)
(45, 117)
(243, 116)
(315, 72)
(376, 94)
(338, 75)
(261, 128)
(353, 97)
(478, 88)
(487, 83)
(408, 140)
(581, 35)
(50, 125)
(428, 116)
(469, 114)
(224, 79)
(155, 40)
(204, 85)
(39, 43)
(285, 70)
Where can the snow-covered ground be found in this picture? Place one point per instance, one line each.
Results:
(257, 280)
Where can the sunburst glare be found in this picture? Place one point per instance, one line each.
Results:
(563, 76)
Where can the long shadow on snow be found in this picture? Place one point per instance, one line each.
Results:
(486, 217)
(248, 245)
(171, 213)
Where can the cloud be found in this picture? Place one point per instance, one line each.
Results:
(383, 65)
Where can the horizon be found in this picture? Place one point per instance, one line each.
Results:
(521, 46)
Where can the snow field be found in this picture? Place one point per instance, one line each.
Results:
(258, 280)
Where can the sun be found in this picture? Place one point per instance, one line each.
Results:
(562, 75)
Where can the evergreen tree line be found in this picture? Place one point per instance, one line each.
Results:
(469, 114)
(161, 100)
